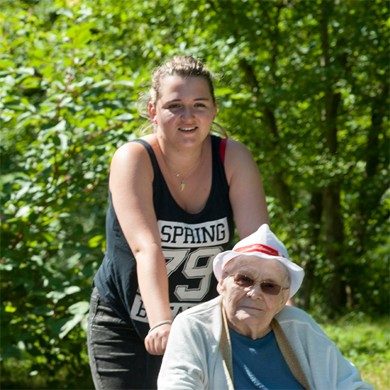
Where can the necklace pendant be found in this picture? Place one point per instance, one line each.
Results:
(182, 183)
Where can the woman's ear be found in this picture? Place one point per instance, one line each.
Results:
(220, 286)
(215, 109)
(285, 298)
(152, 112)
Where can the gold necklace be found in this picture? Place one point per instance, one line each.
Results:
(188, 174)
(177, 174)
(182, 182)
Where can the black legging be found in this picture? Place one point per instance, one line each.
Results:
(117, 355)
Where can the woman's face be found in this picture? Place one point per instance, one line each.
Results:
(249, 310)
(184, 110)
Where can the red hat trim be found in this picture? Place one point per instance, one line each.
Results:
(268, 250)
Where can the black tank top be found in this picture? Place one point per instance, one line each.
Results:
(189, 243)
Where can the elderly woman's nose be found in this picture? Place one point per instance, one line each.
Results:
(255, 291)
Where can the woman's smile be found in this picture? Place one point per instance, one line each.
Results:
(188, 129)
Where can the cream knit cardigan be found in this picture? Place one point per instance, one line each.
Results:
(198, 354)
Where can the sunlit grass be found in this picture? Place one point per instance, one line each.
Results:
(366, 344)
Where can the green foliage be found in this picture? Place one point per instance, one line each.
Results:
(63, 118)
(303, 83)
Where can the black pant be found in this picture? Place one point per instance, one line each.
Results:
(117, 355)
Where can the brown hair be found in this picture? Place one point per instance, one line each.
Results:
(184, 66)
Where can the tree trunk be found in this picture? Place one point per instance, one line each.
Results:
(333, 230)
(314, 214)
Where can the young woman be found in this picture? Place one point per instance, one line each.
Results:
(175, 196)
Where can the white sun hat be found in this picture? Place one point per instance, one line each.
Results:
(264, 245)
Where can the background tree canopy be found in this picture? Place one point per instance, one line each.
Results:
(303, 83)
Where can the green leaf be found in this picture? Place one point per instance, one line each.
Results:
(70, 325)
(124, 117)
(81, 307)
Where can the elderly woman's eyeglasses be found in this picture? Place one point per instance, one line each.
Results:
(269, 288)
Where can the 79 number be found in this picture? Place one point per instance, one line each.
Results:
(191, 270)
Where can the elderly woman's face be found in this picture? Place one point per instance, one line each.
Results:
(249, 310)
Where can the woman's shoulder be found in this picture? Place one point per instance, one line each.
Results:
(203, 311)
(235, 144)
(133, 149)
(129, 159)
(203, 321)
(237, 152)
(293, 313)
(293, 317)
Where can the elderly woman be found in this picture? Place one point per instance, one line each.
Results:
(248, 338)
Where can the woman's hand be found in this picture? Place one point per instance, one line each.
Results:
(156, 340)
